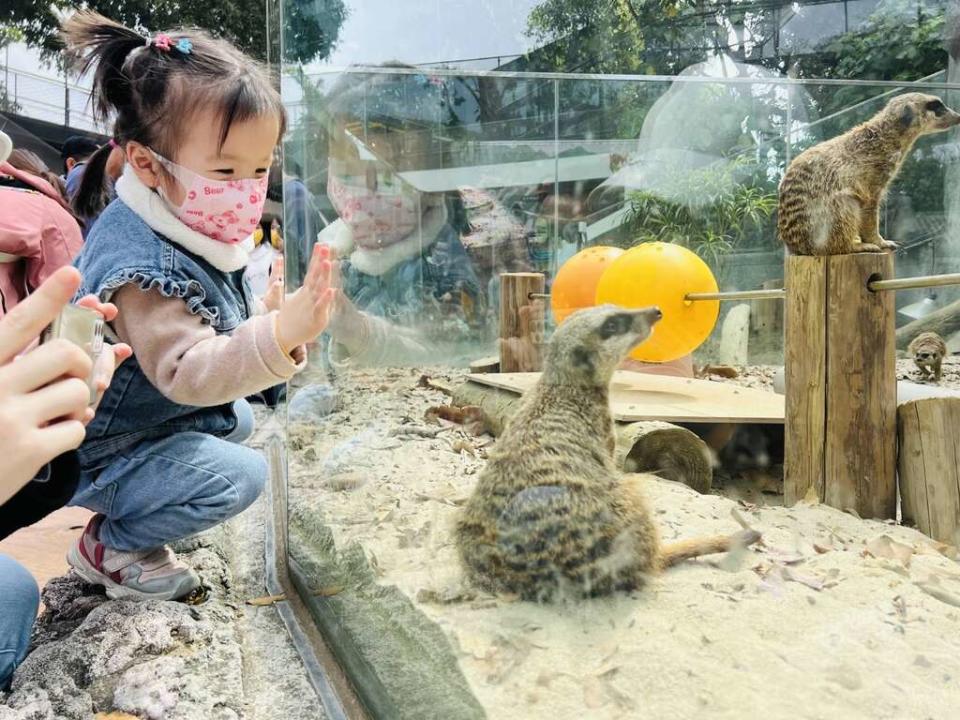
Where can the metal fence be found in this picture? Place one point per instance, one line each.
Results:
(44, 98)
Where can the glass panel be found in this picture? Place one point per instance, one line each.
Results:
(515, 136)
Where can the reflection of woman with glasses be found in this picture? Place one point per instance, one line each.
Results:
(403, 263)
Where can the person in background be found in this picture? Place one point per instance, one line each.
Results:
(38, 234)
(75, 153)
(408, 284)
(30, 162)
(96, 186)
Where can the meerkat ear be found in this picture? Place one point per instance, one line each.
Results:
(906, 116)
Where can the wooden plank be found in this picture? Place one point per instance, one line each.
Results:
(928, 465)
(638, 397)
(805, 350)
(521, 322)
(910, 469)
(861, 391)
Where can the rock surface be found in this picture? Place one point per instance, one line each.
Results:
(220, 660)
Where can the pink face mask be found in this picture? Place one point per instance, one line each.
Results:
(377, 218)
(224, 210)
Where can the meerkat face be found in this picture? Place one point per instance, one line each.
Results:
(591, 343)
(922, 114)
(926, 356)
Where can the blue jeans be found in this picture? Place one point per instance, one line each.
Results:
(169, 488)
(19, 601)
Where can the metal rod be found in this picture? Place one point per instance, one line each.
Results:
(737, 295)
(921, 281)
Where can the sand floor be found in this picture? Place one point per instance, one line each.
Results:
(831, 617)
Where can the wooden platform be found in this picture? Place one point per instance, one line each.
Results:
(640, 396)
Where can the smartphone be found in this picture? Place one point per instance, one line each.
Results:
(84, 328)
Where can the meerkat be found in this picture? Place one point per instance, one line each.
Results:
(928, 350)
(550, 512)
(830, 195)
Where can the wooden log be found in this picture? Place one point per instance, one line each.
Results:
(841, 384)
(666, 450)
(929, 466)
(670, 451)
(485, 365)
(521, 322)
(944, 322)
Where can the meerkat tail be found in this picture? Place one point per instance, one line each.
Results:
(688, 549)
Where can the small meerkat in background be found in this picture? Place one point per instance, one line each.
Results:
(928, 350)
(550, 512)
(830, 195)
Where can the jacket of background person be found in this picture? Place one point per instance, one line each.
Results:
(38, 234)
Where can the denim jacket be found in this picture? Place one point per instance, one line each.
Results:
(122, 249)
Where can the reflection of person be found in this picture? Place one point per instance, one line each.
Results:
(405, 272)
(298, 218)
(44, 404)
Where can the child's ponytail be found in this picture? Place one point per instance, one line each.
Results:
(93, 194)
(93, 40)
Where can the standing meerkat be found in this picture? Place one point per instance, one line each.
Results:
(928, 350)
(551, 513)
(830, 195)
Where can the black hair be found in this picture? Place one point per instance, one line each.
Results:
(93, 195)
(154, 87)
(78, 147)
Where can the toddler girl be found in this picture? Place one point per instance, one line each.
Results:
(197, 122)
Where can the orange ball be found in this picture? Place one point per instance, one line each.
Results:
(662, 274)
(575, 286)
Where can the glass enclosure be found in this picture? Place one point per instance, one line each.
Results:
(435, 147)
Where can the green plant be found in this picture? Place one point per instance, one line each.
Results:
(707, 210)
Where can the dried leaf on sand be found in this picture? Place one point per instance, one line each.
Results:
(885, 547)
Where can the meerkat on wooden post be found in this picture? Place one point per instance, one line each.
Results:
(928, 350)
(551, 513)
(831, 194)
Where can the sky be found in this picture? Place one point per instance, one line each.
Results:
(430, 31)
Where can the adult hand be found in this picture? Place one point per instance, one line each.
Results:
(305, 313)
(43, 395)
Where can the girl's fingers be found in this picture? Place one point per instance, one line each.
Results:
(64, 399)
(39, 367)
(92, 302)
(20, 326)
(62, 437)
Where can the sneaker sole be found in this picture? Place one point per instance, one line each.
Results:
(115, 591)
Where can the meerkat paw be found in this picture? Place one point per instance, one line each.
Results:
(888, 245)
(866, 248)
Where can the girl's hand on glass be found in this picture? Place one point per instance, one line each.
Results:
(43, 394)
(273, 298)
(305, 313)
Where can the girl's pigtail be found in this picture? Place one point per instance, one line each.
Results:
(94, 192)
(93, 40)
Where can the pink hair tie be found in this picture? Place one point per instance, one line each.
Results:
(161, 41)
(112, 143)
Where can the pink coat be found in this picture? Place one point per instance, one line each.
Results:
(38, 235)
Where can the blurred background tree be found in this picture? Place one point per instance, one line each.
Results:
(313, 26)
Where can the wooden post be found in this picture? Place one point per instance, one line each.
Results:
(766, 316)
(928, 466)
(521, 322)
(841, 384)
